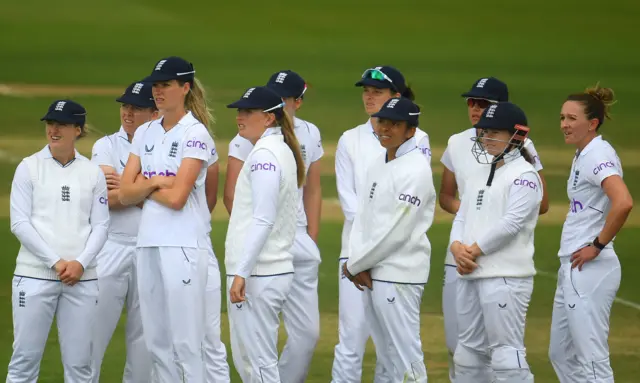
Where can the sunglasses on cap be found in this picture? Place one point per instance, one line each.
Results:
(281, 105)
(480, 102)
(377, 74)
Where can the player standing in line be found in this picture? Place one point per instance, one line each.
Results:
(261, 232)
(357, 148)
(60, 216)
(492, 243)
(300, 313)
(389, 249)
(589, 274)
(459, 165)
(167, 170)
(117, 259)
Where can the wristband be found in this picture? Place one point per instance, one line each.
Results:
(597, 244)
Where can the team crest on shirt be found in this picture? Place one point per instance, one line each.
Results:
(479, 199)
(575, 178)
(303, 150)
(174, 149)
(66, 193)
(373, 190)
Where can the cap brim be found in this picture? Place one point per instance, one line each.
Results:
(387, 115)
(63, 118)
(480, 95)
(136, 101)
(159, 76)
(375, 83)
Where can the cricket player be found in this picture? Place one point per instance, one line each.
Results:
(389, 248)
(492, 244)
(357, 148)
(300, 313)
(458, 165)
(116, 262)
(261, 231)
(167, 170)
(589, 274)
(59, 214)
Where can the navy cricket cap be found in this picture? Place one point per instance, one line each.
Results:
(259, 97)
(287, 83)
(383, 77)
(66, 112)
(502, 116)
(399, 109)
(138, 94)
(171, 68)
(489, 88)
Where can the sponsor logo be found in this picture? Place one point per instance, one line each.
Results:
(268, 166)
(166, 173)
(103, 200)
(123, 164)
(526, 183)
(391, 300)
(574, 204)
(213, 151)
(603, 165)
(410, 199)
(146, 148)
(426, 151)
(193, 143)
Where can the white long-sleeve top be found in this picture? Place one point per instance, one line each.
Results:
(501, 219)
(58, 212)
(356, 149)
(389, 230)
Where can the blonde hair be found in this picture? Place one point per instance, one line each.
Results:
(196, 101)
(286, 125)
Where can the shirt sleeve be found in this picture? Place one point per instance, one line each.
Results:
(99, 220)
(317, 150)
(101, 153)
(457, 227)
(446, 159)
(138, 140)
(213, 155)
(197, 143)
(523, 203)
(346, 182)
(425, 147)
(265, 188)
(20, 213)
(537, 164)
(600, 165)
(240, 148)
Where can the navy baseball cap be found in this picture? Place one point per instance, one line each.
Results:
(171, 68)
(489, 88)
(259, 97)
(287, 83)
(383, 77)
(66, 112)
(502, 116)
(399, 109)
(138, 94)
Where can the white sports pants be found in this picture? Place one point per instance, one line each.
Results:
(215, 352)
(254, 326)
(35, 302)
(491, 322)
(578, 347)
(450, 314)
(300, 313)
(353, 333)
(393, 314)
(117, 280)
(171, 284)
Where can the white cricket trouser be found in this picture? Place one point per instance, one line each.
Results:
(254, 326)
(171, 284)
(35, 302)
(117, 280)
(393, 313)
(450, 314)
(578, 347)
(353, 333)
(491, 322)
(300, 313)
(215, 352)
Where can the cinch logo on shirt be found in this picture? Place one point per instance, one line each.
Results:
(574, 204)
(152, 173)
(525, 183)
(193, 143)
(103, 200)
(426, 151)
(409, 198)
(603, 165)
(268, 166)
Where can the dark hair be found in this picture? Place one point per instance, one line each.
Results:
(526, 155)
(408, 93)
(286, 125)
(596, 102)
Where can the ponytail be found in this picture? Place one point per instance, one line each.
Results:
(196, 102)
(290, 139)
(408, 93)
(527, 156)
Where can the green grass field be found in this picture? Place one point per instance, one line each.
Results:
(91, 51)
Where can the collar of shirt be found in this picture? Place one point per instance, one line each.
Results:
(271, 131)
(45, 153)
(122, 134)
(589, 146)
(405, 148)
(186, 120)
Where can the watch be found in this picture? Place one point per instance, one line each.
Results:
(597, 244)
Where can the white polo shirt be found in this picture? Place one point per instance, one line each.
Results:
(161, 153)
(308, 136)
(588, 203)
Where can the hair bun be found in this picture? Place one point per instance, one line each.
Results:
(605, 95)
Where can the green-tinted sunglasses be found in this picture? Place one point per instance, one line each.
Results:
(377, 74)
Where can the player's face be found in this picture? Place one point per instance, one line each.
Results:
(373, 98)
(62, 136)
(132, 116)
(475, 107)
(574, 123)
(170, 95)
(291, 105)
(495, 141)
(252, 123)
(392, 134)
